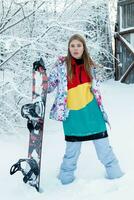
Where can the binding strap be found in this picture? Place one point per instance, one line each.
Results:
(34, 169)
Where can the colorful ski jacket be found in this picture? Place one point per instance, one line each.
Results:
(58, 79)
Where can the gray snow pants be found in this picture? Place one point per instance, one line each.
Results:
(105, 155)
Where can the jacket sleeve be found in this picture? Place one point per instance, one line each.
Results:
(53, 78)
(96, 91)
(95, 87)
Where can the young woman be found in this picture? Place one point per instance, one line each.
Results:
(79, 106)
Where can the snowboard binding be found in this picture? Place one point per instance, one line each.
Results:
(33, 110)
(33, 169)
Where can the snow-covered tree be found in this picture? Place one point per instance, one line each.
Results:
(30, 29)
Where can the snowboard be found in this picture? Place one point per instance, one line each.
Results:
(34, 113)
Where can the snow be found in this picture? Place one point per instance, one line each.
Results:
(90, 180)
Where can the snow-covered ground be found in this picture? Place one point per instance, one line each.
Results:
(90, 183)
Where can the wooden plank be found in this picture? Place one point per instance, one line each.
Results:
(116, 61)
(127, 15)
(124, 2)
(117, 35)
(126, 31)
(122, 79)
(130, 77)
(125, 20)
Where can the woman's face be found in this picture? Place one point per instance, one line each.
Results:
(76, 49)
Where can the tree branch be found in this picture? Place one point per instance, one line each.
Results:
(22, 18)
(2, 4)
(9, 9)
(9, 19)
(26, 45)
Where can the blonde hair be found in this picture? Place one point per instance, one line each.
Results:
(88, 62)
